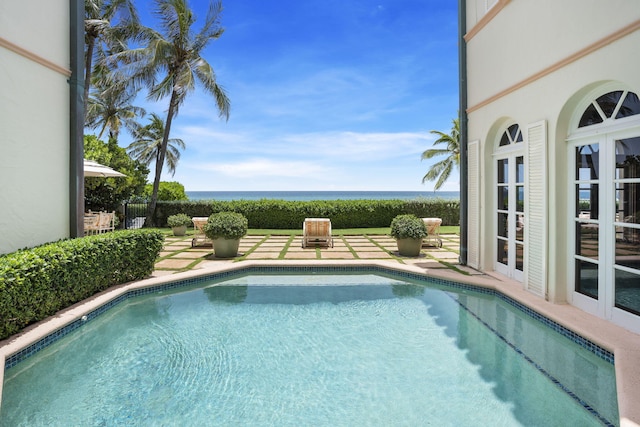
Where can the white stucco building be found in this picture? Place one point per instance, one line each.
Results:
(39, 180)
(553, 149)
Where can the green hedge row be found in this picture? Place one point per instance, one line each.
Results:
(283, 214)
(38, 282)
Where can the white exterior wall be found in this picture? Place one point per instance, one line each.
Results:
(545, 39)
(34, 123)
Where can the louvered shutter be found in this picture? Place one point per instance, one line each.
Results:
(473, 204)
(535, 259)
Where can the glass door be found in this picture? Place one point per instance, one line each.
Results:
(510, 219)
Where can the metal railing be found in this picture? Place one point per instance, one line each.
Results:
(135, 212)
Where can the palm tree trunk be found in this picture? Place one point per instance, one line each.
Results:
(151, 207)
(88, 62)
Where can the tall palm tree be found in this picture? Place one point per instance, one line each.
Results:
(148, 139)
(109, 21)
(174, 54)
(111, 108)
(440, 171)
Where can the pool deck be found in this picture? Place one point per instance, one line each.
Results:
(178, 255)
(179, 261)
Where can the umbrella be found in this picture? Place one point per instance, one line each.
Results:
(92, 168)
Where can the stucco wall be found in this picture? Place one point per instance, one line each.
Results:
(526, 38)
(34, 123)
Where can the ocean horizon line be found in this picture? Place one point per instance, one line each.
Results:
(302, 195)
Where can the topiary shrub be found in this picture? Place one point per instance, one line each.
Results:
(179, 220)
(408, 226)
(227, 225)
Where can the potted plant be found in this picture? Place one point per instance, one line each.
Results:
(226, 229)
(408, 230)
(179, 223)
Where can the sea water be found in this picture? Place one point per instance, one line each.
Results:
(321, 195)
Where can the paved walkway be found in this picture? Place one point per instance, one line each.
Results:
(178, 255)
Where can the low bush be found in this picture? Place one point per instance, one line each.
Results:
(283, 214)
(38, 282)
(408, 226)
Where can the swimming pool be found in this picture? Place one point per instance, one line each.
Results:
(311, 349)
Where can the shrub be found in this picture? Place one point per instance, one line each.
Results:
(179, 220)
(38, 282)
(408, 226)
(228, 225)
(284, 214)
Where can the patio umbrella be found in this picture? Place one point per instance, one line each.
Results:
(92, 168)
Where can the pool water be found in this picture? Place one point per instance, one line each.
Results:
(331, 350)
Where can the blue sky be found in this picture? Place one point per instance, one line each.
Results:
(325, 95)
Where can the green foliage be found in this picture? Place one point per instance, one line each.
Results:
(281, 214)
(108, 193)
(408, 226)
(38, 282)
(168, 191)
(441, 170)
(228, 225)
(179, 220)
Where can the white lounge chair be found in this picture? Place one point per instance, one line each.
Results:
(316, 231)
(433, 232)
(199, 238)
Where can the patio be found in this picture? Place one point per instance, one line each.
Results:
(178, 255)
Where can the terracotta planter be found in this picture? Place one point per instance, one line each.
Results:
(226, 248)
(409, 247)
(179, 231)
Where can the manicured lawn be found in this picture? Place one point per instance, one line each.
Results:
(336, 232)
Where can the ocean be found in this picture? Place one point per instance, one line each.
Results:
(321, 195)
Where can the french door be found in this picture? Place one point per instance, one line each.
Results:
(510, 219)
(606, 196)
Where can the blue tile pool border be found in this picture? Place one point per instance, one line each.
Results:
(19, 356)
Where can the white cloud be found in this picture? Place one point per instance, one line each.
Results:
(261, 168)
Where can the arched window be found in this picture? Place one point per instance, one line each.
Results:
(511, 136)
(610, 106)
(606, 200)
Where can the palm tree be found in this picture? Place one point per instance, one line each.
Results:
(441, 170)
(174, 53)
(146, 146)
(100, 16)
(111, 108)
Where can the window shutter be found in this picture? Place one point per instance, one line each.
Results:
(535, 257)
(473, 204)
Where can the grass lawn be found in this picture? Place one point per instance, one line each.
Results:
(449, 229)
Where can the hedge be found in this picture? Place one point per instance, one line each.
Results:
(38, 282)
(284, 214)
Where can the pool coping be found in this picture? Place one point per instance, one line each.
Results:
(623, 344)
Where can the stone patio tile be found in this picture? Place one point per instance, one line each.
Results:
(373, 255)
(337, 255)
(270, 243)
(191, 255)
(354, 241)
(180, 245)
(263, 255)
(160, 273)
(309, 254)
(429, 264)
(172, 263)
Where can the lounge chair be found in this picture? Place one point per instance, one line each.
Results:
(316, 231)
(199, 238)
(433, 232)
